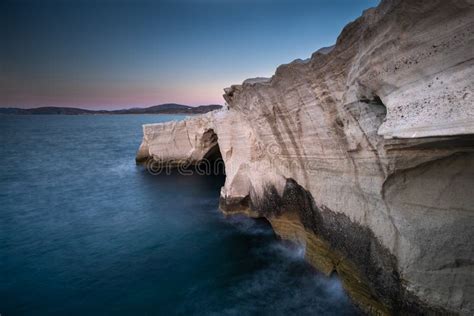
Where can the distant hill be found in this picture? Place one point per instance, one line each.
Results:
(168, 108)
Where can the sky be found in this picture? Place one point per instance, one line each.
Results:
(111, 54)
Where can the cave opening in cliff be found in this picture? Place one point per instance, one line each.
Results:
(376, 102)
(376, 106)
(212, 160)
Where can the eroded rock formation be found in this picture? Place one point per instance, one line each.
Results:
(363, 153)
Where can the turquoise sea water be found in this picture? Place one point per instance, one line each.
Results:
(83, 231)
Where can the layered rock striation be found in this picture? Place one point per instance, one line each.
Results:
(363, 153)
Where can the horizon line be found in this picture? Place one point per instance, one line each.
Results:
(99, 109)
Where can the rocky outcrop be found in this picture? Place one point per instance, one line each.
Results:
(363, 153)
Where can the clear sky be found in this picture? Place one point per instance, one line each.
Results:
(108, 54)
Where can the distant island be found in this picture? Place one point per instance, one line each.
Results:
(168, 108)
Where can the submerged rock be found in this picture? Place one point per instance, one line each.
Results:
(364, 154)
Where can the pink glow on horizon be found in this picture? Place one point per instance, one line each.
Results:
(125, 97)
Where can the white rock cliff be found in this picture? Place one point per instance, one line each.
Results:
(363, 153)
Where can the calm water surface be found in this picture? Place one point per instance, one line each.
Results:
(83, 231)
